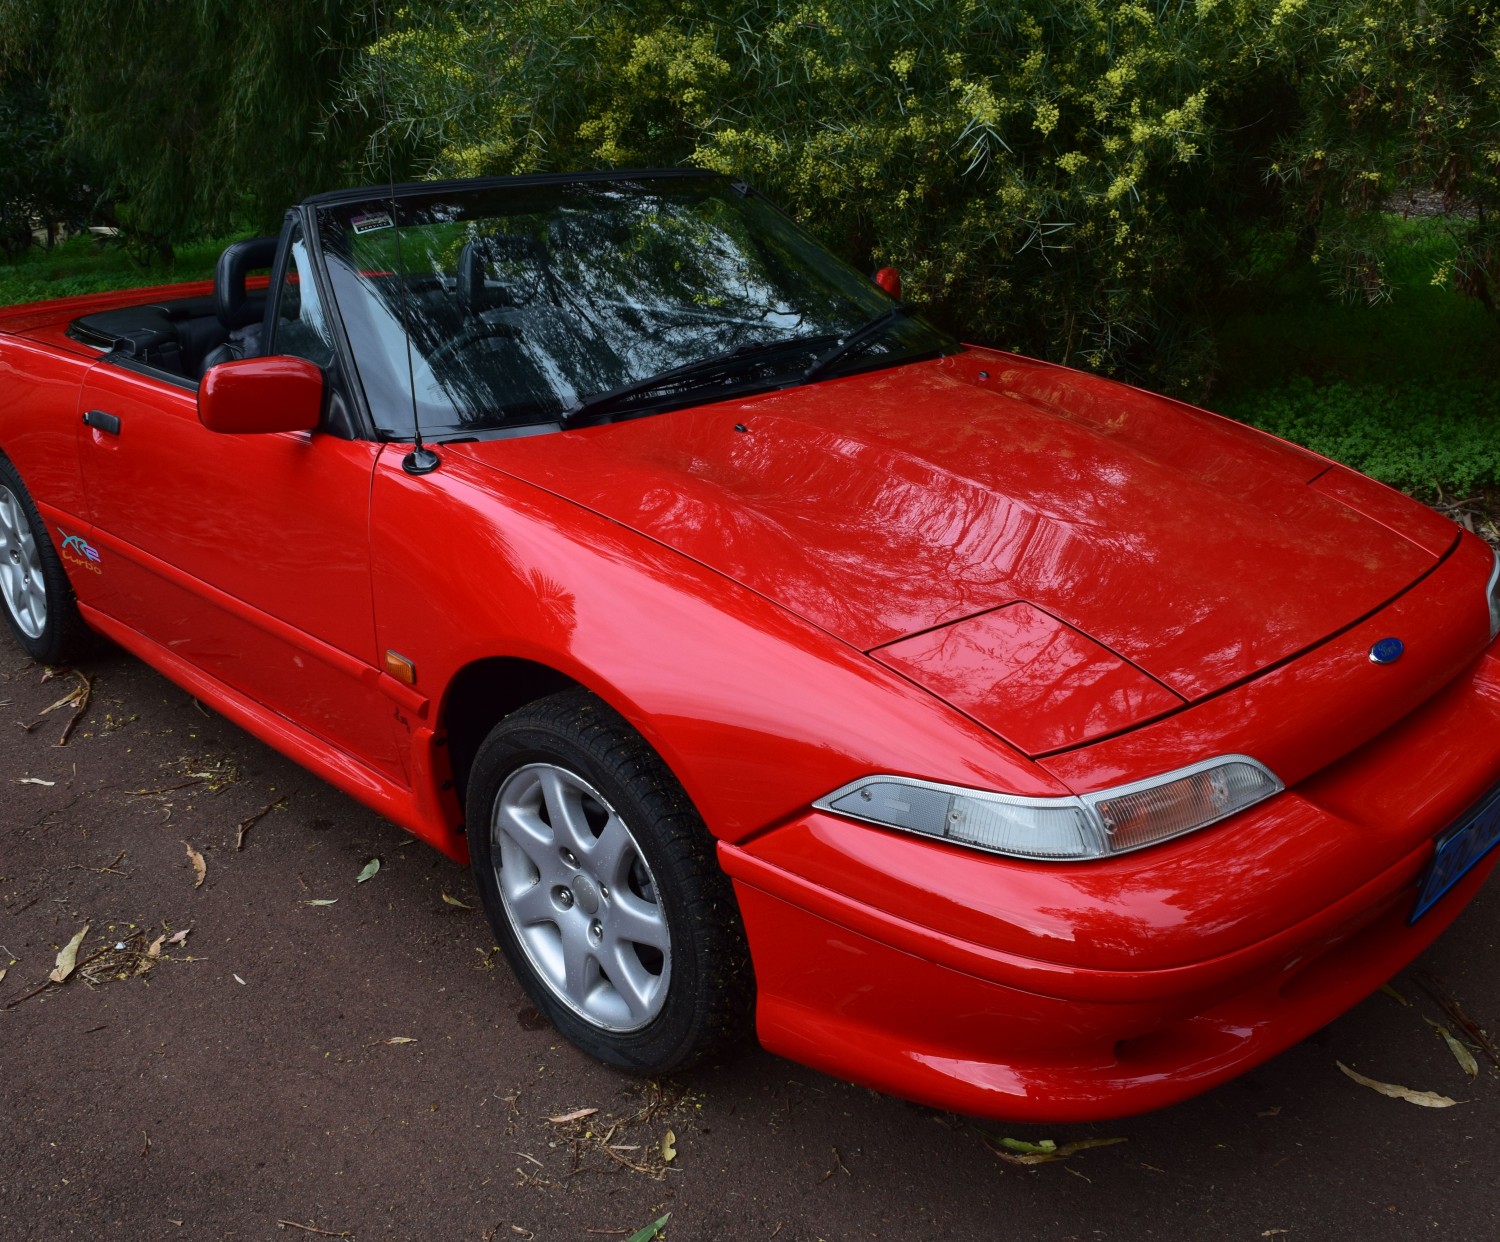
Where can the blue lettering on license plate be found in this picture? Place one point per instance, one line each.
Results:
(1458, 850)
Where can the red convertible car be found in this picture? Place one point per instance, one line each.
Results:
(989, 733)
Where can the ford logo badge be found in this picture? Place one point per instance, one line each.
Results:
(1386, 651)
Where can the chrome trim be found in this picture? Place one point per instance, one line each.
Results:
(1492, 593)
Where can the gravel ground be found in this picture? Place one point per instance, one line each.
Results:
(369, 1069)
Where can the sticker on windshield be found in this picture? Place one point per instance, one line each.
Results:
(373, 222)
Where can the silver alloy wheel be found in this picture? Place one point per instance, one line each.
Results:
(21, 580)
(580, 897)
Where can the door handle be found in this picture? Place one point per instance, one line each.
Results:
(101, 421)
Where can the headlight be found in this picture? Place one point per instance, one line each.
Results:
(1096, 825)
(1493, 591)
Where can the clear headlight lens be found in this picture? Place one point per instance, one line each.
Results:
(1096, 825)
(1493, 590)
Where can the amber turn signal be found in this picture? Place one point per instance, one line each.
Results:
(402, 669)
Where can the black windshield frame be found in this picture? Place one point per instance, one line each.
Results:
(364, 298)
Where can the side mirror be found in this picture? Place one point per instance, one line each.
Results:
(889, 279)
(259, 395)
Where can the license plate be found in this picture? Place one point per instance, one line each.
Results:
(1458, 849)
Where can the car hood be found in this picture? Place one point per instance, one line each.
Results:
(882, 505)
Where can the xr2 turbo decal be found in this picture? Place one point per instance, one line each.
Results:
(77, 551)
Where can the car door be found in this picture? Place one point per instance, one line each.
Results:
(247, 555)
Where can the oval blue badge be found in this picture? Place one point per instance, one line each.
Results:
(1386, 651)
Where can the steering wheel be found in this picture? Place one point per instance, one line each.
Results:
(471, 333)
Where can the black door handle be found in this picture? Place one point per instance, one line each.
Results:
(103, 422)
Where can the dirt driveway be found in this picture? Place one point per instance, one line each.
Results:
(320, 1057)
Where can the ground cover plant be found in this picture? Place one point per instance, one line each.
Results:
(1405, 389)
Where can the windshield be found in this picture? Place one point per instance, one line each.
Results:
(529, 303)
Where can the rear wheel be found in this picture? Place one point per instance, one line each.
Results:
(34, 589)
(600, 881)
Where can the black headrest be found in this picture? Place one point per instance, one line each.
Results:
(481, 255)
(470, 282)
(239, 259)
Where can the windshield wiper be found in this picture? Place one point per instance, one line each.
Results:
(866, 331)
(709, 368)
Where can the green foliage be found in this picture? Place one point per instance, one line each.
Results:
(1404, 389)
(1051, 176)
(1285, 324)
(1397, 98)
(39, 182)
(82, 265)
(198, 113)
(1160, 189)
(1081, 179)
(1429, 438)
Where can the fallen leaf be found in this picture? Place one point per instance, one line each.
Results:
(200, 868)
(576, 1115)
(370, 868)
(454, 901)
(394, 1039)
(1439, 992)
(1461, 1054)
(2, 974)
(179, 937)
(67, 957)
(154, 948)
(1426, 1099)
(651, 1231)
(669, 1147)
(1395, 996)
(1029, 1149)
(1045, 1156)
(32, 780)
(321, 901)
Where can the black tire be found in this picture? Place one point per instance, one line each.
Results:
(45, 622)
(566, 898)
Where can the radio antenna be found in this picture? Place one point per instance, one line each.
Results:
(421, 459)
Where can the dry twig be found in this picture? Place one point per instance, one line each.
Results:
(250, 821)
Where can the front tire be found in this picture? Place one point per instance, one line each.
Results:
(599, 879)
(35, 592)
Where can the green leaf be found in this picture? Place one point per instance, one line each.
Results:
(1029, 1149)
(370, 868)
(651, 1231)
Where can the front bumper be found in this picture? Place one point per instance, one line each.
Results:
(1078, 992)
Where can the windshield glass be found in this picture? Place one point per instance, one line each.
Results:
(528, 302)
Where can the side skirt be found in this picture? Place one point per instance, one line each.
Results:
(413, 809)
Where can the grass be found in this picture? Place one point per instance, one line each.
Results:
(83, 265)
(1407, 391)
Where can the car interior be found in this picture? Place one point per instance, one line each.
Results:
(185, 337)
